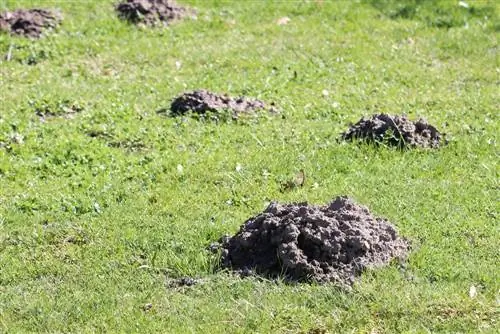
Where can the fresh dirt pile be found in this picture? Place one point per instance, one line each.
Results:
(332, 243)
(203, 102)
(30, 22)
(395, 131)
(152, 12)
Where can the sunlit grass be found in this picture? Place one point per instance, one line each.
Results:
(96, 215)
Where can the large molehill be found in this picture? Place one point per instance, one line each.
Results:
(331, 243)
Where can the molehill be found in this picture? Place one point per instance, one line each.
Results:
(203, 102)
(29, 22)
(152, 12)
(396, 131)
(305, 243)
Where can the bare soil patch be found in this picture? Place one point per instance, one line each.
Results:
(304, 243)
(29, 22)
(395, 131)
(152, 12)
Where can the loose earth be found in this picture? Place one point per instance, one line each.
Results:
(152, 12)
(203, 102)
(29, 22)
(304, 243)
(395, 131)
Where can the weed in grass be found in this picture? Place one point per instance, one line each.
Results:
(46, 108)
(27, 53)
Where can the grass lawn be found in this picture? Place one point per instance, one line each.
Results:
(101, 210)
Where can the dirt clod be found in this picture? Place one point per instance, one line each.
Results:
(47, 108)
(152, 12)
(332, 243)
(203, 102)
(395, 131)
(29, 22)
(183, 282)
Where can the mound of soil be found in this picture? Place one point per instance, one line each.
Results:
(30, 22)
(395, 131)
(202, 102)
(152, 12)
(332, 243)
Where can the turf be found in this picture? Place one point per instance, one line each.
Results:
(101, 210)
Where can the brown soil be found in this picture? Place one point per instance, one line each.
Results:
(30, 22)
(202, 102)
(152, 12)
(395, 131)
(332, 243)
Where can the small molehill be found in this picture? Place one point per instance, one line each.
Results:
(152, 12)
(332, 243)
(395, 131)
(205, 102)
(29, 22)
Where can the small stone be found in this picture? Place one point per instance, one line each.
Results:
(283, 21)
(180, 169)
(472, 291)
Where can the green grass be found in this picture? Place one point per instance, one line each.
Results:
(96, 217)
